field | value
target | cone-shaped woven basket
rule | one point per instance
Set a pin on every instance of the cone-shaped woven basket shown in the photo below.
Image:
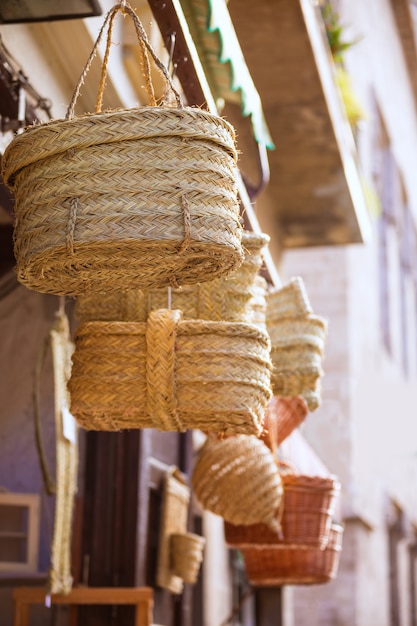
(268, 566)
(126, 198)
(230, 298)
(308, 508)
(237, 478)
(170, 374)
(187, 555)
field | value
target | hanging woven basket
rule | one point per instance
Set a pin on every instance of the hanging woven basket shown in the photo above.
(228, 298)
(289, 301)
(124, 199)
(186, 555)
(170, 374)
(284, 415)
(237, 478)
(308, 508)
(268, 566)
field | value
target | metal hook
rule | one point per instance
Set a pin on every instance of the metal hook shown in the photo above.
(171, 65)
(21, 109)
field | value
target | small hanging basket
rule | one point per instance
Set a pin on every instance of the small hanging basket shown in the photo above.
(268, 566)
(284, 415)
(289, 301)
(186, 555)
(308, 507)
(170, 374)
(237, 478)
(124, 199)
(228, 298)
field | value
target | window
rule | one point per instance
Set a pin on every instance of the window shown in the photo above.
(19, 532)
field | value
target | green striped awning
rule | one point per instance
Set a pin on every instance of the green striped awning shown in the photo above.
(220, 53)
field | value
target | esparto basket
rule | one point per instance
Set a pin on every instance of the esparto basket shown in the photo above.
(307, 512)
(297, 348)
(170, 374)
(289, 301)
(229, 298)
(237, 478)
(124, 199)
(186, 555)
(271, 566)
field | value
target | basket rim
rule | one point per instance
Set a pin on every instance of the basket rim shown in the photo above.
(58, 136)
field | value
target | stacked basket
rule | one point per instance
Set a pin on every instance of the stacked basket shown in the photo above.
(114, 202)
(297, 343)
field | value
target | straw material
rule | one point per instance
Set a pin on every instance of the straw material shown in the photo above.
(237, 478)
(257, 305)
(308, 507)
(289, 301)
(60, 577)
(187, 555)
(231, 298)
(124, 199)
(174, 513)
(272, 566)
(297, 347)
(297, 342)
(170, 374)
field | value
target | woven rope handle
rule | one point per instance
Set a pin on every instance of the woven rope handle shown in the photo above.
(145, 47)
(161, 334)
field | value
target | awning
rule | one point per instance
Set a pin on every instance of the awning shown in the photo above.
(225, 67)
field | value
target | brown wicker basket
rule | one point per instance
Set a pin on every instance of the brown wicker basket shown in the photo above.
(231, 298)
(126, 198)
(170, 374)
(284, 415)
(308, 508)
(237, 478)
(272, 566)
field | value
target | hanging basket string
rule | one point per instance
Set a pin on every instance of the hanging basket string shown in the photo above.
(145, 47)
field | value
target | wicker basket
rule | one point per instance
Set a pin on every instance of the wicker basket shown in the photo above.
(272, 566)
(237, 478)
(186, 556)
(127, 198)
(170, 374)
(229, 298)
(284, 415)
(308, 508)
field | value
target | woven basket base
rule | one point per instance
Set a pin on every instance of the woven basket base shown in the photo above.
(124, 265)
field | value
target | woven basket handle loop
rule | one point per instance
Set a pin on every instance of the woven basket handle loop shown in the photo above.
(161, 334)
(146, 47)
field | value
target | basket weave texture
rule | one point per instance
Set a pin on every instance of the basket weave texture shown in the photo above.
(271, 566)
(171, 374)
(308, 508)
(229, 298)
(237, 478)
(126, 198)
(297, 343)
(284, 414)
(186, 555)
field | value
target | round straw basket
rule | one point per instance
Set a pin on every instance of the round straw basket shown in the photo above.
(127, 198)
(308, 508)
(186, 555)
(227, 298)
(270, 566)
(237, 478)
(297, 347)
(170, 374)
